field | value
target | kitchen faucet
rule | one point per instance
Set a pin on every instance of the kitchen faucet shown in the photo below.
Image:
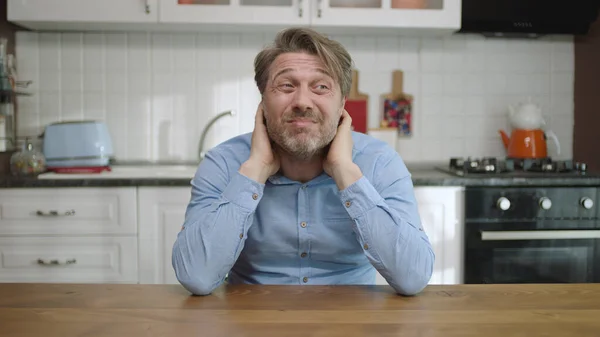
(201, 152)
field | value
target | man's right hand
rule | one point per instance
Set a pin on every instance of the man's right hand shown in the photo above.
(263, 161)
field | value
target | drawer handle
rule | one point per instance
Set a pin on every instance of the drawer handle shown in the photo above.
(55, 213)
(55, 262)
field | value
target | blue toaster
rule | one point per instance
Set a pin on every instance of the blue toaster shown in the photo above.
(80, 144)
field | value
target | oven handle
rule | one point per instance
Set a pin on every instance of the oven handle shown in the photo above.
(539, 235)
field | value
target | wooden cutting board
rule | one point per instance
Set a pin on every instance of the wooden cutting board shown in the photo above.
(357, 106)
(397, 107)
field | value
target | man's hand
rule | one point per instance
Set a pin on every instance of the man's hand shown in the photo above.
(263, 161)
(339, 164)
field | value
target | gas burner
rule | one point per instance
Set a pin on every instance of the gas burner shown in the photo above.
(544, 165)
(513, 166)
(481, 165)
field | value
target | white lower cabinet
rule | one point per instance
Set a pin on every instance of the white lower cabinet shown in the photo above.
(69, 259)
(126, 235)
(68, 211)
(441, 211)
(161, 214)
(70, 234)
(162, 211)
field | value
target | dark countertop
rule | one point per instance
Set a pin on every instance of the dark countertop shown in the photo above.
(430, 176)
(422, 175)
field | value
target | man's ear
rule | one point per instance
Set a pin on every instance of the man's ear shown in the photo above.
(343, 105)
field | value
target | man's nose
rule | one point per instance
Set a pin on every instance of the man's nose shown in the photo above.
(302, 99)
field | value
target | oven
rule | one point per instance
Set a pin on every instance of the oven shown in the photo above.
(532, 235)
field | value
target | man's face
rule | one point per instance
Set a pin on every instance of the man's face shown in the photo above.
(302, 104)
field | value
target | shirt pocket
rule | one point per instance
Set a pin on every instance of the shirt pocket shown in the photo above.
(335, 212)
(337, 223)
(334, 239)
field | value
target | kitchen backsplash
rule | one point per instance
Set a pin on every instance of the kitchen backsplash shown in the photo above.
(156, 91)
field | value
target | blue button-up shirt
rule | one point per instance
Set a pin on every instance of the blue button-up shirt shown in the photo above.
(287, 232)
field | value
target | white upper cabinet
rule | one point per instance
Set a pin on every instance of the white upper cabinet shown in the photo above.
(81, 14)
(395, 16)
(434, 15)
(240, 12)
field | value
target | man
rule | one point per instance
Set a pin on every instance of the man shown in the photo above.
(302, 199)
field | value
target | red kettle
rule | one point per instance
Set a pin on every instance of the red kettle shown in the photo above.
(527, 139)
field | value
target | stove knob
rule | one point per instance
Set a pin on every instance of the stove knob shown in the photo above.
(586, 202)
(545, 203)
(503, 203)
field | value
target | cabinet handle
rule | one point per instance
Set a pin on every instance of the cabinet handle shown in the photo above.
(147, 6)
(55, 262)
(55, 213)
(300, 8)
(539, 235)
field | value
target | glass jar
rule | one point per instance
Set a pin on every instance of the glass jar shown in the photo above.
(27, 162)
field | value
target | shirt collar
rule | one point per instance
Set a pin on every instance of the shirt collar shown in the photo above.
(279, 179)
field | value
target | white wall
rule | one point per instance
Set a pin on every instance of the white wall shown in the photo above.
(156, 91)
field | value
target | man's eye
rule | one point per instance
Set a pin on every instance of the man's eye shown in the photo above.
(287, 85)
(322, 87)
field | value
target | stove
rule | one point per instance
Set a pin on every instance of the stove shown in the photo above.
(513, 167)
(538, 233)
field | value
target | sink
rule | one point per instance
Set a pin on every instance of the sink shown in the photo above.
(132, 171)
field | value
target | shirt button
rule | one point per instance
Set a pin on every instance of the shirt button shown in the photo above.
(241, 235)
(366, 246)
(303, 187)
(303, 224)
(303, 255)
(305, 279)
(348, 203)
(254, 196)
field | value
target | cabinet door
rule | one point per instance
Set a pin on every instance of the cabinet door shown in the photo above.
(442, 15)
(68, 211)
(161, 213)
(84, 259)
(256, 12)
(441, 211)
(115, 11)
(431, 210)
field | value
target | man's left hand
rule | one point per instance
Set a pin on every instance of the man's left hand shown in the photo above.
(339, 164)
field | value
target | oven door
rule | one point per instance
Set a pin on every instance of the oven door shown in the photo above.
(533, 252)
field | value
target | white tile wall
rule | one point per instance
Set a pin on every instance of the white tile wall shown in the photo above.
(156, 91)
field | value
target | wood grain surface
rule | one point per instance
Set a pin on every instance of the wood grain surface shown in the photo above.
(53, 310)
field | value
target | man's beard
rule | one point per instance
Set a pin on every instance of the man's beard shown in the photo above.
(303, 143)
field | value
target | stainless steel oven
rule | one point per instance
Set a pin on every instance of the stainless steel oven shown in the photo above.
(532, 235)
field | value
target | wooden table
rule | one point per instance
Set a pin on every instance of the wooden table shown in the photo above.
(55, 310)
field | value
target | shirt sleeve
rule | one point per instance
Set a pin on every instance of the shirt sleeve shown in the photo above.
(216, 223)
(388, 226)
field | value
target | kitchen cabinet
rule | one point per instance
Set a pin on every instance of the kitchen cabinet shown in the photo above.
(408, 15)
(69, 259)
(239, 12)
(72, 234)
(335, 16)
(162, 211)
(126, 234)
(68, 211)
(327, 15)
(82, 14)
(441, 211)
